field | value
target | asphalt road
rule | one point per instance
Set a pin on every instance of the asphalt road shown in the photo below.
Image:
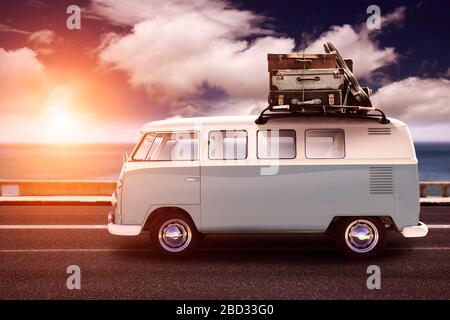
(33, 262)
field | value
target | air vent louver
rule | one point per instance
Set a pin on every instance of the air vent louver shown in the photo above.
(381, 180)
(379, 131)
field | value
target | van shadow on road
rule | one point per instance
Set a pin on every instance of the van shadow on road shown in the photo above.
(272, 249)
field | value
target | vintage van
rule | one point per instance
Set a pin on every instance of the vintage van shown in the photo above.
(355, 179)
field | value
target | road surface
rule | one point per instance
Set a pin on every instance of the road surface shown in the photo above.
(38, 243)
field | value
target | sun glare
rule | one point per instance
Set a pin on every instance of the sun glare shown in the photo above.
(61, 124)
(61, 121)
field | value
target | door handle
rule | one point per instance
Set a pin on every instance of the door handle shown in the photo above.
(191, 179)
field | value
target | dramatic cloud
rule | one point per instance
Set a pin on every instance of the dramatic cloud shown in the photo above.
(415, 99)
(177, 50)
(358, 43)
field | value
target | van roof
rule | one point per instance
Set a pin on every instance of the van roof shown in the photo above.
(249, 121)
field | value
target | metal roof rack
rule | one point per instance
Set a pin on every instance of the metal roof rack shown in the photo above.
(286, 111)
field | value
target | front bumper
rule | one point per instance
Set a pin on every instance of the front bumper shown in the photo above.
(418, 231)
(122, 229)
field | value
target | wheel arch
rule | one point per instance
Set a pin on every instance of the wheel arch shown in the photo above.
(167, 210)
(387, 221)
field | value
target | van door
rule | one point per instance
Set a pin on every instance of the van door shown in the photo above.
(165, 173)
(241, 193)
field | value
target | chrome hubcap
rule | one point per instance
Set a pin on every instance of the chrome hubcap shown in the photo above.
(361, 236)
(175, 235)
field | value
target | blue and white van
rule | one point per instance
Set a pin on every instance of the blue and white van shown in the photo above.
(355, 179)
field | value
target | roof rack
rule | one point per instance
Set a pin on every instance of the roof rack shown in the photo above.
(286, 111)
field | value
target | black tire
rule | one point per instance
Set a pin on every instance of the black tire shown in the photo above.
(370, 228)
(184, 234)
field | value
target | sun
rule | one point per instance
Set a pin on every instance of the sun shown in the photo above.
(63, 121)
(61, 124)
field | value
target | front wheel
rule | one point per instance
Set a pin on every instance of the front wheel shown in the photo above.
(362, 237)
(173, 235)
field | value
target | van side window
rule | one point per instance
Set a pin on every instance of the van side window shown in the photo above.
(227, 145)
(325, 144)
(171, 146)
(144, 147)
(276, 144)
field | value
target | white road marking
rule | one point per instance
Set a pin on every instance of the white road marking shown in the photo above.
(438, 226)
(53, 226)
(205, 250)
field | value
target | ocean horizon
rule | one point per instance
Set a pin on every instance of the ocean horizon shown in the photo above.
(102, 161)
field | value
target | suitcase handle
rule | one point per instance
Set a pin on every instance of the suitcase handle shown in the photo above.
(304, 78)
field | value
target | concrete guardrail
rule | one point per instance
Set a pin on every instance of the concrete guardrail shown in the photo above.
(11, 188)
(426, 185)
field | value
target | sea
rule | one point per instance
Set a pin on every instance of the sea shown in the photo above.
(103, 161)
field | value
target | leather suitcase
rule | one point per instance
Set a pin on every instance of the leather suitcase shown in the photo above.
(308, 79)
(301, 61)
(309, 98)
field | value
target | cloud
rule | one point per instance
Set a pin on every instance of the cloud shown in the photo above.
(23, 79)
(130, 13)
(43, 36)
(415, 99)
(37, 4)
(359, 44)
(40, 40)
(7, 28)
(447, 74)
(175, 49)
(395, 17)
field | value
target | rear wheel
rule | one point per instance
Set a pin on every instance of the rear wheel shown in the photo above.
(362, 237)
(173, 234)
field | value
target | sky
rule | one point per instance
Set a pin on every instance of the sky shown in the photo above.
(134, 61)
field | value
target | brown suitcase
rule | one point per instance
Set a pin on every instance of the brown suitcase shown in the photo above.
(311, 97)
(308, 79)
(301, 61)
